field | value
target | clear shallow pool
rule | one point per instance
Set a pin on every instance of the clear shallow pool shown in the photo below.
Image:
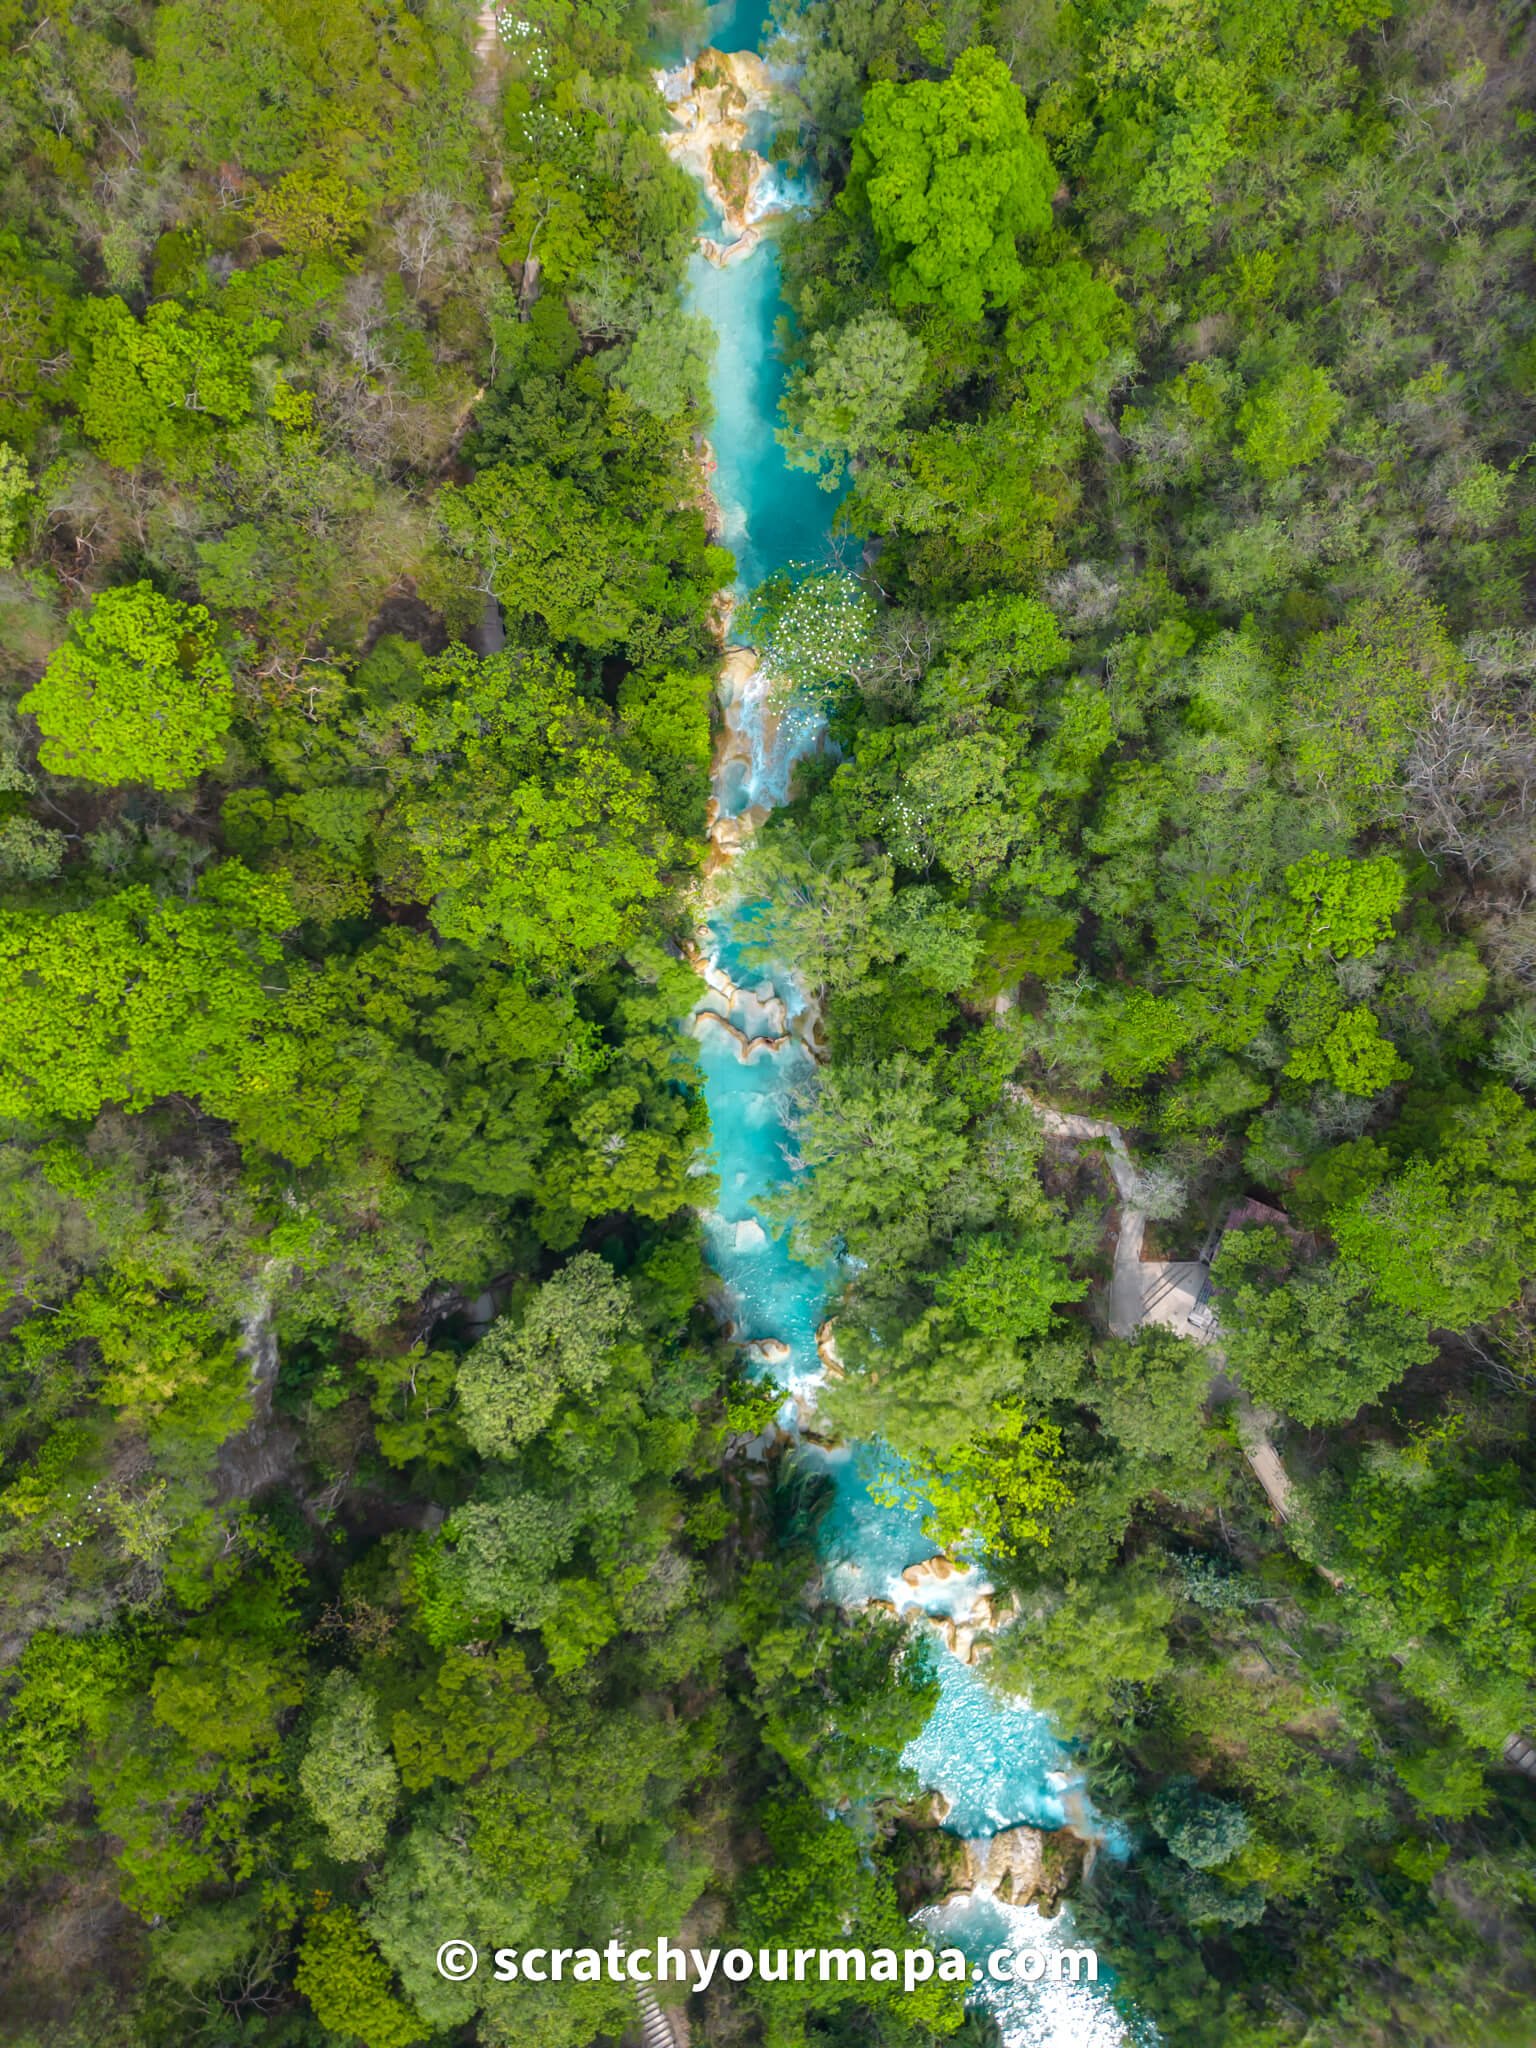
(998, 1764)
(771, 515)
(730, 25)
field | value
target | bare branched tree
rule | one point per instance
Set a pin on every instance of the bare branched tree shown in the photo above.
(365, 327)
(902, 648)
(1470, 784)
(431, 226)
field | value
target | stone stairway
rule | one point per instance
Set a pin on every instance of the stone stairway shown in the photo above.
(656, 2029)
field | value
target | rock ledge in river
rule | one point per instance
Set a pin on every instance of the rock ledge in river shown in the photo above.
(1024, 1866)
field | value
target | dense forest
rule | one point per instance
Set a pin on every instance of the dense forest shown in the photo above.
(387, 1551)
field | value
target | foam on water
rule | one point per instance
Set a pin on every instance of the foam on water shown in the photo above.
(1052, 2013)
(997, 1762)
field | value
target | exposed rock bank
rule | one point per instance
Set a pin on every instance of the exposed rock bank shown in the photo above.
(711, 100)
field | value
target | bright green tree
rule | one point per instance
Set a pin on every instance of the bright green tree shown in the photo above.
(953, 177)
(1287, 421)
(15, 490)
(133, 998)
(1091, 1646)
(164, 387)
(1450, 1235)
(512, 1381)
(1007, 1292)
(879, 1139)
(350, 1986)
(1064, 324)
(596, 569)
(478, 1713)
(138, 693)
(996, 1491)
(529, 829)
(1312, 1342)
(1360, 692)
(666, 367)
(819, 1888)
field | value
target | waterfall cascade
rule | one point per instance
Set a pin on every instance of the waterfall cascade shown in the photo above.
(998, 1772)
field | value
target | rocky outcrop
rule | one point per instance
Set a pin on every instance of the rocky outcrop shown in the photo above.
(710, 100)
(826, 1351)
(931, 1568)
(1023, 1866)
(740, 1001)
(722, 253)
(747, 1047)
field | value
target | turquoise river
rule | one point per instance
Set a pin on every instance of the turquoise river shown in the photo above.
(998, 1764)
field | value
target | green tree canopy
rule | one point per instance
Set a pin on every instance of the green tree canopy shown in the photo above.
(1312, 1342)
(134, 998)
(138, 693)
(1359, 693)
(512, 1381)
(347, 1773)
(953, 176)
(1065, 322)
(529, 828)
(163, 386)
(1287, 421)
(851, 395)
(1450, 1235)
(1201, 1830)
(1080, 1653)
(591, 566)
(350, 1985)
(879, 1140)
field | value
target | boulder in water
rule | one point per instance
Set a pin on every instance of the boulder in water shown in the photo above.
(931, 1568)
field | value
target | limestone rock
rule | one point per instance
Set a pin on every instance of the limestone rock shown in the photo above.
(931, 1569)
(931, 1811)
(1024, 1866)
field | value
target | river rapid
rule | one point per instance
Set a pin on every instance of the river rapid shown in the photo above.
(997, 1764)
